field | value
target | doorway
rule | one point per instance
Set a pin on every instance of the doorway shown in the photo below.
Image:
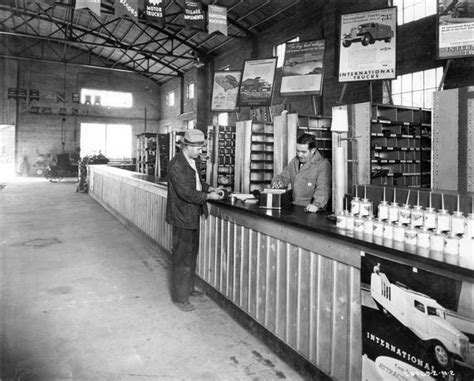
(7, 152)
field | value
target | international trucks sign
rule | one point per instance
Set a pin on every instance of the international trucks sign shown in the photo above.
(367, 47)
(416, 324)
(455, 29)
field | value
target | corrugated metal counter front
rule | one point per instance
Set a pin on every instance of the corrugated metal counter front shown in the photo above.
(294, 273)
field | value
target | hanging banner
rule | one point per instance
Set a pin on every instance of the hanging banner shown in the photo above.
(217, 19)
(303, 68)
(127, 8)
(154, 11)
(93, 5)
(193, 14)
(367, 49)
(455, 29)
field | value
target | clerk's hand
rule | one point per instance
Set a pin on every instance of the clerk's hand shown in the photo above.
(215, 195)
(311, 208)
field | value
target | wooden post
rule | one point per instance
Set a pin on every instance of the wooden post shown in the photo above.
(445, 72)
(343, 92)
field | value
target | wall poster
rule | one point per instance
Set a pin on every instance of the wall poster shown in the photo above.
(416, 324)
(302, 71)
(455, 29)
(225, 88)
(367, 49)
(256, 87)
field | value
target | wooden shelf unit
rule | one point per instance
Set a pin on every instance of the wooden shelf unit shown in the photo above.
(146, 153)
(221, 156)
(392, 145)
(255, 141)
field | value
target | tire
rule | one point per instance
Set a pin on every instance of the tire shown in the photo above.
(366, 40)
(346, 43)
(441, 355)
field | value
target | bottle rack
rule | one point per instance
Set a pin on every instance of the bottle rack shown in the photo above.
(146, 153)
(393, 144)
(221, 154)
(256, 142)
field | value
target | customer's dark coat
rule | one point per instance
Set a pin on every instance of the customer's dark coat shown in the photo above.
(185, 204)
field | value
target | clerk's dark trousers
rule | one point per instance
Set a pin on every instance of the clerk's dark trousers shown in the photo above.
(185, 251)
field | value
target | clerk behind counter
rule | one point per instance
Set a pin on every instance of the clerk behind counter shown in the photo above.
(308, 174)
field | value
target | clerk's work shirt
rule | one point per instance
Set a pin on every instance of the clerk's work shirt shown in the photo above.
(311, 183)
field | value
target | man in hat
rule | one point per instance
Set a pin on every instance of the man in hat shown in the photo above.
(187, 196)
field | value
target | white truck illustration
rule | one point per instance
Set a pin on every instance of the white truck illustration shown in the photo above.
(423, 316)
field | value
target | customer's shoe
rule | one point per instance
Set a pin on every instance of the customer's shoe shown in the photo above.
(196, 293)
(184, 306)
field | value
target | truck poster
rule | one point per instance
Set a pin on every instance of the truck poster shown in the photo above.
(225, 88)
(256, 87)
(455, 29)
(303, 68)
(367, 48)
(416, 324)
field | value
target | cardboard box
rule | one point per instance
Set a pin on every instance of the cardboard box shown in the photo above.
(275, 198)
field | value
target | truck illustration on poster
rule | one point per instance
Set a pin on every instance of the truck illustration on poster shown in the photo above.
(256, 87)
(416, 325)
(367, 49)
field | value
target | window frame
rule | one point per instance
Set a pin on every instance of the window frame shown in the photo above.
(170, 98)
(282, 46)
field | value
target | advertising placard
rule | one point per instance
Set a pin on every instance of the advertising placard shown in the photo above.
(367, 49)
(302, 71)
(225, 89)
(416, 324)
(256, 87)
(455, 29)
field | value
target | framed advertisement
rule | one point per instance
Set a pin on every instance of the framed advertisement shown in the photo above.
(416, 324)
(455, 29)
(225, 89)
(302, 71)
(256, 86)
(367, 48)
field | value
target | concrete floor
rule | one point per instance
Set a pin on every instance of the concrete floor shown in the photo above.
(83, 298)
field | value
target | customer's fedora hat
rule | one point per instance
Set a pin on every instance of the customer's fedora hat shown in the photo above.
(194, 138)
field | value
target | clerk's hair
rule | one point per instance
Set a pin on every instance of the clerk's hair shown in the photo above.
(307, 139)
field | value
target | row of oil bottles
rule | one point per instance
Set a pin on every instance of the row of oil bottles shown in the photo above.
(439, 234)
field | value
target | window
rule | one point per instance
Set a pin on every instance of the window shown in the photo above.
(106, 98)
(190, 90)
(419, 306)
(279, 51)
(114, 141)
(170, 99)
(416, 89)
(223, 119)
(411, 10)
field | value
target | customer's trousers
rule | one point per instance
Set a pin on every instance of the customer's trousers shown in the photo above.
(185, 251)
